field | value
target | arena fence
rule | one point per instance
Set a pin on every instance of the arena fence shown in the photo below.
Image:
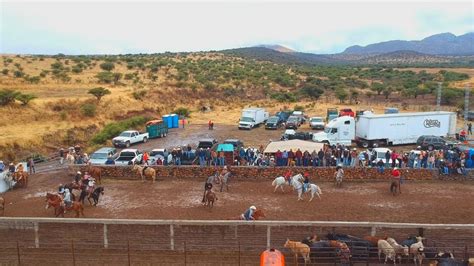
(28, 241)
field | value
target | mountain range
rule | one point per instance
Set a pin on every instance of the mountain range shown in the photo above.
(445, 49)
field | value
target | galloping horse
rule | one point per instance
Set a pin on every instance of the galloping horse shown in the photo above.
(54, 200)
(296, 182)
(210, 198)
(2, 206)
(95, 195)
(149, 172)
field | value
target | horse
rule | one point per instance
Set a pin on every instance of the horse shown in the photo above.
(95, 172)
(257, 215)
(149, 172)
(279, 182)
(296, 182)
(395, 187)
(54, 200)
(298, 248)
(8, 179)
(95, 195)
(2, 205)
(210, 198)
(21, 177)
(225, 181)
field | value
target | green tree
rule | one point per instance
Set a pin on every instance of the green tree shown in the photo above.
(387, 91)
(107, 66)
(7, 96)
(341, 94)
(105, 77)
(99, 92)
(25, 98)
(377, 87)
(182, 111)
(311, 91)
(88, 109)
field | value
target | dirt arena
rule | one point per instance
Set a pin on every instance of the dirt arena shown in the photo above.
(420, 202)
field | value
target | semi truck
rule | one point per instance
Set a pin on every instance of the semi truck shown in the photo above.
(370, 130)
(252, 117)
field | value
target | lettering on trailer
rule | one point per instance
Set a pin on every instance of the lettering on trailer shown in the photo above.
(432, 123)
(397, 124)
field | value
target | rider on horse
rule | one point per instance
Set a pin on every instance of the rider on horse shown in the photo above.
(77, 177)
(90, 185)
(11, 168)
(67, 198)
(2, 166)
(288, 176)
(305, 182)
(208, 186)
(248, 214)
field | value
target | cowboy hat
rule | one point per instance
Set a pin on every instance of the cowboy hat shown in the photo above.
(66, 190)
(253, 207)
(11, 163)
(395, 168)
(79, 172)
(61, 191)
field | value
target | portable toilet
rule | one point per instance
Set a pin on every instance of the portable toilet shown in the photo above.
(167, 121)
(175, 120)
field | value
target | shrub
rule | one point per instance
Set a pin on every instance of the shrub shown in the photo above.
(284, 97)
(105, 77)
(5, 71)
(7, 96)
(107, 66)
(129, 76)
(18, 74)
(182, 111)
(113, 129)
(298, 108)
(25, 98)
(99, 92)
(139, 95)
(88, 109)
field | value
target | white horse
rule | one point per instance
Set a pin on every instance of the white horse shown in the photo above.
(297, 183)
(279, 182)
(6, 181)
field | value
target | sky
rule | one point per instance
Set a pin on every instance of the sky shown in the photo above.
(118, 27)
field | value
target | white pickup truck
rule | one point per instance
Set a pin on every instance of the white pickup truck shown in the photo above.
(129, 137)
(129, 157)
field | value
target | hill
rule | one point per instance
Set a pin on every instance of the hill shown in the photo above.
(277, 47)
(439, 44)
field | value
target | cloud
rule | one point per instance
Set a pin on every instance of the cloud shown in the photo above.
(148, 27)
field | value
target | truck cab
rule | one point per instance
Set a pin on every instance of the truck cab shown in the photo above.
(331, 113)
(339, 130)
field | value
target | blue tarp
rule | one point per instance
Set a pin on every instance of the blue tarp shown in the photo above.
(225, 147)
(469, 159)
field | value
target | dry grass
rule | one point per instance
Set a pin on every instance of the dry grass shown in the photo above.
(33, 125)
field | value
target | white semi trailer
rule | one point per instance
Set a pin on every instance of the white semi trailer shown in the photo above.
(387, 129)
(252, 117)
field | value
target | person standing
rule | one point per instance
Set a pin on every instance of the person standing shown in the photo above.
(31, 166)
(469, 128)
(395, 181)
(183, 121)
(61, 156)
(2, 166)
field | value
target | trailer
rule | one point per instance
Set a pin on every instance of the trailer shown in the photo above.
(387, 129)
(252, 117)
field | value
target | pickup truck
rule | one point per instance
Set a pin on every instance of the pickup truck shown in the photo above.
(129, 157)
(207, 143)
(126, 138)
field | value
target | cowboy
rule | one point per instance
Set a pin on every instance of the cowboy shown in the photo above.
(208, 186)
(61, 156)
(110, 160)
(67, 198)
(248, 214)
(396, 179)
(339, 174)
(2, 166)
(31, 166)
(11, 168)
(288, 176)
(77, 177)
(305, 182)
(90, 185)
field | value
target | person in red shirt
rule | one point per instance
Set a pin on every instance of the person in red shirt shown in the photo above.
(462, 135)
(288, 177)
(395, 181)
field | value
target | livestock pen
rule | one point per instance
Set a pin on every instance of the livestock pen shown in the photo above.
(39, 241)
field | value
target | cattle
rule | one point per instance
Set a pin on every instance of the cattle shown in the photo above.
(387, 249)
(399, 249)
(417, 250)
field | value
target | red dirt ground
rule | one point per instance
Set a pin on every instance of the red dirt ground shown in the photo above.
(421, 202)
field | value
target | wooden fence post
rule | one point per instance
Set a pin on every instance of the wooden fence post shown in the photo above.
(185, 253)
(36, 235)
(128, 253)
(73, 253)
(18, 252)
(171, 237)
(239, 252)
(268, 236)
(106, 240)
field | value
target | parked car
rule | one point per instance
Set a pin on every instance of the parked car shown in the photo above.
(301, 115)
(470, 115)
(236, 142)
(293, 122)
(156, 154)
(391, 110)
(129, 137)
(292, 134)
(101, 155)
(207, 143)
(434, 143)
(316, 122)
(274, 122)
(346, 112)
(379, 154)
(128, 157)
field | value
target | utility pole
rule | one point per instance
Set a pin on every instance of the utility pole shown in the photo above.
(438, 99)
(466, 104)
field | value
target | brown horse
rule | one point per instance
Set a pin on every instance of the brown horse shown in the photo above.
(210, 198)
(95, 172)
(2, 205)
(257, 215)
(149, 172)
(21, 177)
(55, 201)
